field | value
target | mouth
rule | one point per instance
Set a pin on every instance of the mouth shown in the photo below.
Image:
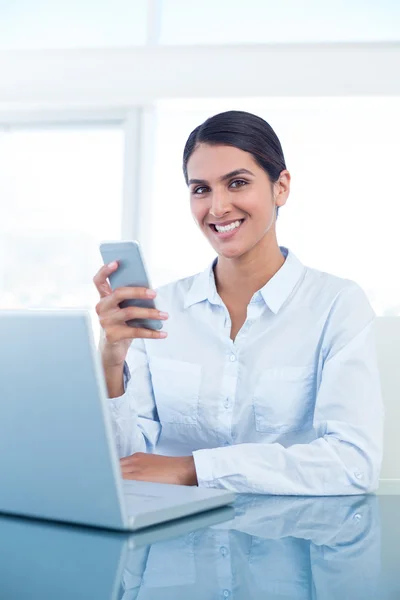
(226, 230)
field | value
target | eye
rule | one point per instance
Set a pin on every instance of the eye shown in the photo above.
(201, 189)
(237, 183)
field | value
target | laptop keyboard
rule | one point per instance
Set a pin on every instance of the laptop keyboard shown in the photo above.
(139, 495)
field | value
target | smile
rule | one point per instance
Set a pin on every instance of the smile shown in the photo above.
(224, 228)
(224, 231)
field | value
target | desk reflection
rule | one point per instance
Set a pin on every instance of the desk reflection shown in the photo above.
(292, 548)
(264, 547)
(48, 561)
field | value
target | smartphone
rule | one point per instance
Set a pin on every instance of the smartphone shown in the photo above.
(131, 272)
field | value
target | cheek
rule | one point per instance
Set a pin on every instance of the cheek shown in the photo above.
(198, 211)
(261, 205)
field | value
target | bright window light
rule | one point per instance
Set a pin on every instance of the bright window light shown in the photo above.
(60, 194)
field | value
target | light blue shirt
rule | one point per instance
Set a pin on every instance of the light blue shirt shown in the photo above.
(291, 406)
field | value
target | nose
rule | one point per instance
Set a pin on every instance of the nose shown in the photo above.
(219, 204)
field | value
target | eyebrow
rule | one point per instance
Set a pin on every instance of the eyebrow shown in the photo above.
(224, 177)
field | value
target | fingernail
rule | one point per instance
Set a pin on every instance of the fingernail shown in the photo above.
(163, 315)
(163, 334)
(112, 264)
(151, 293)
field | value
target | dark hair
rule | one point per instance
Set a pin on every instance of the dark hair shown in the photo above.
(244, 131)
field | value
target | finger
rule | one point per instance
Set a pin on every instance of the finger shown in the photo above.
(132, 458)
(124, 332)
(137, 312)
(130, 469)
(126, 293)
(149, 334)
(100, 279)
(134, 476)
(134, 293)
(130, 464)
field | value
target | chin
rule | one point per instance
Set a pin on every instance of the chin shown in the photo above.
(231, 252)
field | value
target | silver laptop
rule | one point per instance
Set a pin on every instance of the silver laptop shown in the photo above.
(58, 458)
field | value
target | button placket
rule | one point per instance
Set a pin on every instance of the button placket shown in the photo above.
(226, 398)
(228, 402)
(224, 567)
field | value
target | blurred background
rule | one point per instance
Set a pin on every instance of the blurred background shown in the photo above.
(98, 98)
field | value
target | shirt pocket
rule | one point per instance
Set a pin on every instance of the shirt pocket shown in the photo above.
(283, 400)
(280, 567)
(170, 564)
(176, 386)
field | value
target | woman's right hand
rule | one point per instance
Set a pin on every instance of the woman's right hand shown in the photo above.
(118, 335)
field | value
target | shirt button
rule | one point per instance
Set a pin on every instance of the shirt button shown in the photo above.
(357, 517)
(223, 551)
(226, 593)
(232, 358)
(226, 403)
(359, 475)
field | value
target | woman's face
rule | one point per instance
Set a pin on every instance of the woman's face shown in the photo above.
(232, 198)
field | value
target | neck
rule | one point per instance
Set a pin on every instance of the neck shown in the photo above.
(242, 277)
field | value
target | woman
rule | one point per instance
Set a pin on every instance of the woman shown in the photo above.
(267, 380)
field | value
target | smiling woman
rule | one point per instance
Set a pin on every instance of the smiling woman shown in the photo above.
(267, 380)
(224, 205)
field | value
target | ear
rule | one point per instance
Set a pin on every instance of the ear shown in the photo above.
(282, 188)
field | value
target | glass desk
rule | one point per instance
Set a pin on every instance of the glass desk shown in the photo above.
(263, 547)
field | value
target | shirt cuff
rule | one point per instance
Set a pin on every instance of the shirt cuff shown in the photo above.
(222, 468)
(124, 423)
(203, 462)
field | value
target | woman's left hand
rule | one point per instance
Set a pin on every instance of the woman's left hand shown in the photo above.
(161, 469)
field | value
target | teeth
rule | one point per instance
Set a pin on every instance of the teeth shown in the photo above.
(228, 227)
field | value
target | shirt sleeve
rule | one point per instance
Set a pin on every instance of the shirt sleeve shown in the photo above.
(345, 455)
(134, 414)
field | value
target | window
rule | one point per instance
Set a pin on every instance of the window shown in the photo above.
(343, 212)
(61, 193)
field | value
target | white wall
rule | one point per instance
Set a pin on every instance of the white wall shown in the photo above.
(117, 78)
(388, 345)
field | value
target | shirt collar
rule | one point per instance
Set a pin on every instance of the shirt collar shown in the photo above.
(274, 293)
(203, 287)
(278, 289)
